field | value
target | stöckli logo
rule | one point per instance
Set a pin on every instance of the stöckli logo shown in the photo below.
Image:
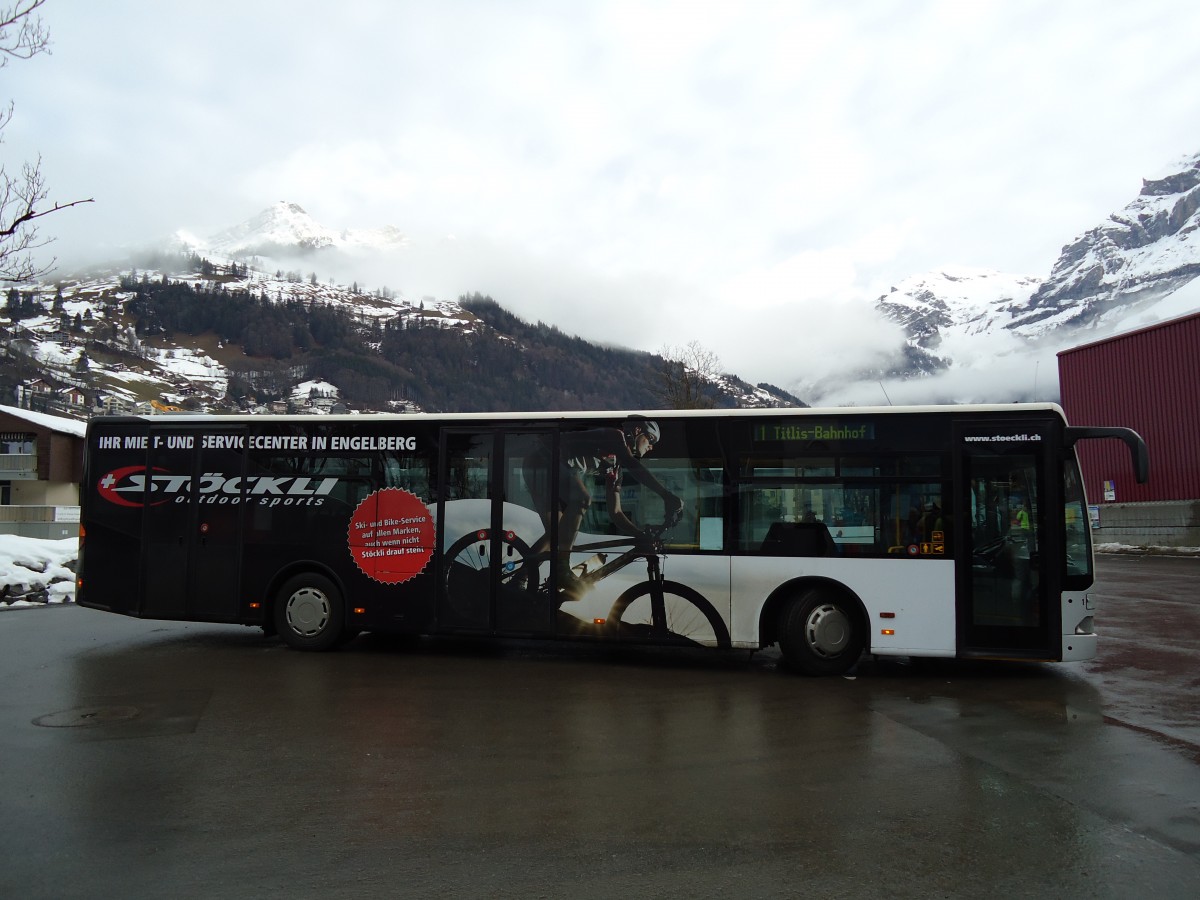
(138, 486)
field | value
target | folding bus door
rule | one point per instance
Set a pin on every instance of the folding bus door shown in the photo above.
(1007, 603)
(494, 485)
(193, 524)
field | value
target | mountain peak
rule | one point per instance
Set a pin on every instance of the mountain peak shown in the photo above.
(1181, 178)
(970, 299)
(286, 229)
(1139, 255)
(1140, 265)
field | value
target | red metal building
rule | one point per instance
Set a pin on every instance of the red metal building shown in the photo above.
(1147, 380)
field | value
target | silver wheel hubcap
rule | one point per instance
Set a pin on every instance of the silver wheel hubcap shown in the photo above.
(827, 630)
(308, 612)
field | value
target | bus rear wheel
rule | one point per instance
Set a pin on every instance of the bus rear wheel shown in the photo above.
(821, 633)
(309, 614)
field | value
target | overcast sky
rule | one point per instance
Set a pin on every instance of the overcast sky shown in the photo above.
(750, 175)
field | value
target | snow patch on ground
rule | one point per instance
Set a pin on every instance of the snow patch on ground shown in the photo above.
(34, 572)
(1147, 551)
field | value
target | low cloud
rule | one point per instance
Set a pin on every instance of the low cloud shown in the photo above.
(995, 368)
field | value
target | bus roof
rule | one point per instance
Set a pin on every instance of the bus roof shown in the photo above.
(970, 409)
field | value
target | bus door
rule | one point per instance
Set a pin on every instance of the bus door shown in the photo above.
(493, 485)
(192, 536)
(1007, 603)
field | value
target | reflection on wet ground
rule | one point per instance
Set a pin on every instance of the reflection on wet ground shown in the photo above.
(1148, 668)
(225, 764)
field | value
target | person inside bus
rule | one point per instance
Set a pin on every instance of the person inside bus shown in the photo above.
(582, 456)
(932, 522)
(1021, 538)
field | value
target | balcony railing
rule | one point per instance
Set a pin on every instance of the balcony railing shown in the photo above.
(18, 465)
(39, 513)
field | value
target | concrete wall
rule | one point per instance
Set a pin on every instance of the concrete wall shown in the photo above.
(1172, 523)
(53, 531)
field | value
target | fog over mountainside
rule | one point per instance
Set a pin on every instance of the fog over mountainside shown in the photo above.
(270, 311)
(979, 335)
(243, 321)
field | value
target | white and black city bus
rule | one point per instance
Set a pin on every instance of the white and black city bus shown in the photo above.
(930, 532)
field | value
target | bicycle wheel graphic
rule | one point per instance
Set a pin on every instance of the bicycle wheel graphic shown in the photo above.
(469, 563)
(689, 618)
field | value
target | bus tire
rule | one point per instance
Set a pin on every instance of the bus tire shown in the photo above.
(821, 633)
(309, 614)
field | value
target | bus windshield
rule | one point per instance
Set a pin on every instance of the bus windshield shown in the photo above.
(1078, 557)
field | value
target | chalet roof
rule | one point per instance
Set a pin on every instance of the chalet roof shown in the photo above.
(60, 424)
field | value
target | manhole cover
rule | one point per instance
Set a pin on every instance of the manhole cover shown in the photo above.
(87, 717)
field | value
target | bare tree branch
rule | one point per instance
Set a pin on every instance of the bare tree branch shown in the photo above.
(31, 37)
(688, 376)
(23, 36)
(27, 198)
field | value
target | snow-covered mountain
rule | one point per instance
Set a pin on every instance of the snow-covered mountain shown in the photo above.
(1140, 255)
(973, 334)
(944, 311)
(286, 230)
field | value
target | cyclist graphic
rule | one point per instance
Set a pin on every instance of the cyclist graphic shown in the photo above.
(585, 454)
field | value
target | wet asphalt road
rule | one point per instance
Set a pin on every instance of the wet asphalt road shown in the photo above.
(148, 759)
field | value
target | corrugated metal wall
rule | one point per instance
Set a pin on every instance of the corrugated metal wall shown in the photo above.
(1147, 380)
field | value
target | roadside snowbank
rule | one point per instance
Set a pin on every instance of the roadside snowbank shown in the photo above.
(1134, 550)
(34, 572)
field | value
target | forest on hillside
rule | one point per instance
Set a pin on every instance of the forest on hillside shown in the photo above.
(508, 365)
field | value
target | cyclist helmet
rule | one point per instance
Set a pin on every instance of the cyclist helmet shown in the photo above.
(635, 425)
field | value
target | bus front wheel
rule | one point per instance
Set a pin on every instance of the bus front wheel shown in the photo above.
(309, 614)
(821, 633)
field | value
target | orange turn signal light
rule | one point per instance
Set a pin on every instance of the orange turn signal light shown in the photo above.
(888, 631)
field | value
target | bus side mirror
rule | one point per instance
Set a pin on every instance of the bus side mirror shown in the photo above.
(1133, 440)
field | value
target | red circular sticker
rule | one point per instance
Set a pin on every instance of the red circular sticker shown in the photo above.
(391, 535)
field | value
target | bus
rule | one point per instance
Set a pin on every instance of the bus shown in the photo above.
(957, 531)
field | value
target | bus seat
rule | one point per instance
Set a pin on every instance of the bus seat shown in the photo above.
(799, 539)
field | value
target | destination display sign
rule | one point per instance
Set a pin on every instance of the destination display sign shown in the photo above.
(815, 430)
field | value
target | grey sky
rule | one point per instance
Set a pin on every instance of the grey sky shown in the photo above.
(750, 175)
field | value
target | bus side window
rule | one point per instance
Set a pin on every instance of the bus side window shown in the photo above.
(799, 539)
(790, 519)
(408, 473)
(699, 484)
